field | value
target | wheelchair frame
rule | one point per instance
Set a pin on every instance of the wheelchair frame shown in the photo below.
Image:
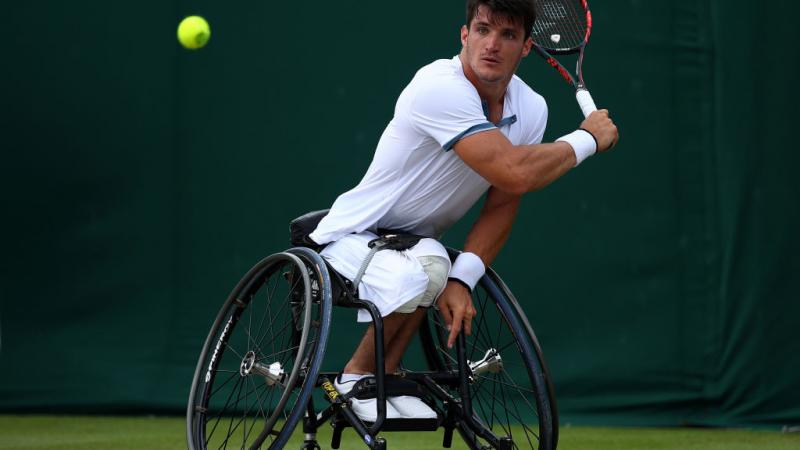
(312, 288)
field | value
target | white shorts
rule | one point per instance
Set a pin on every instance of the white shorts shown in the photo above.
(393, 278)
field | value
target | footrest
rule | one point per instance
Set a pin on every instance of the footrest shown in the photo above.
(394, 385)
(400, 424)
(411, 424)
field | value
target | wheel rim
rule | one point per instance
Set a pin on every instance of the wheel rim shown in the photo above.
(255, 358)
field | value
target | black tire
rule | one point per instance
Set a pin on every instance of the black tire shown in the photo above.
(518, 401)
(262, 356)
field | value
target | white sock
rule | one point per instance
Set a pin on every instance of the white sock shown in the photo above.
(353, 376)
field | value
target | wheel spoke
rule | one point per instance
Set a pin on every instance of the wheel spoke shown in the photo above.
(259, 405)
(280, 332)
(505, 428)
(523, 396)
(273, 356)
(505, 409)
(479, 327)
(236, 388)
(517, 416)
(283, 305)
(476, 396)
(478, 336)
(236, 406)
(512, 385)
(267, 311)
(242, 397)
(224, 383)
(528, 431)
(229, 347)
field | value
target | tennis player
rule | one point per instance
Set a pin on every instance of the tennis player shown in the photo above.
(462, 128)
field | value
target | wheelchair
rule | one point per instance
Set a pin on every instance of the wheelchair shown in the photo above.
(262, 361)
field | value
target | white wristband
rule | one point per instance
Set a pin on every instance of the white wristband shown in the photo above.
(583, 144)
(468, 267)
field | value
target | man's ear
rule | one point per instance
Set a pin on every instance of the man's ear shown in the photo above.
(464, 33)
(526, 48)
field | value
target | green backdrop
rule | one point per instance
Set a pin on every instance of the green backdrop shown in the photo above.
(140, 180)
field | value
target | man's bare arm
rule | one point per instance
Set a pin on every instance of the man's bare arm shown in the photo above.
(488, 234)
(518, 169)
(515, 169)
(493, 226)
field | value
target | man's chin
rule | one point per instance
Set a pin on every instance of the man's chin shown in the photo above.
(490, 78)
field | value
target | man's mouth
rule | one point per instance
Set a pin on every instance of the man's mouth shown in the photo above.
(490, 60)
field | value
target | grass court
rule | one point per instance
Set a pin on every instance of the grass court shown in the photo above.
(159, 433)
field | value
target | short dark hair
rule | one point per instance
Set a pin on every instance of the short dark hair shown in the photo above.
(515, 10)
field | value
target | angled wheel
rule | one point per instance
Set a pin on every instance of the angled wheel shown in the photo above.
(509, 387)
(262, 356)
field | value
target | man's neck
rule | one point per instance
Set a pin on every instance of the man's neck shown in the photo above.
(491, 93)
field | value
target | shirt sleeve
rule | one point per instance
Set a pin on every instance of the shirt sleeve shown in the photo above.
(448, 110)
(536, 109)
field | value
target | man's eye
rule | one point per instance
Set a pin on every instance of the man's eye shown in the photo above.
(483, 30)
(510, 35)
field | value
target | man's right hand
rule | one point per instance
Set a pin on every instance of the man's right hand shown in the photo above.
(601, 126)
(456, 307)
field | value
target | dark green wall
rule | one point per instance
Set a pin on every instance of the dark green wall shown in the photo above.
(140, 180)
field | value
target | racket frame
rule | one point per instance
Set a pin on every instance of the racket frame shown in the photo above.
(582, 95)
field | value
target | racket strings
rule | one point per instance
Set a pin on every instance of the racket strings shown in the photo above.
(560, 24)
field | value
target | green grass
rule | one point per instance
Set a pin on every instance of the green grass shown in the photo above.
(123, 433)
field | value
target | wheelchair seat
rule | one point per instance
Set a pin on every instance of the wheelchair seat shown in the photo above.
(344, 290)
(301, 227)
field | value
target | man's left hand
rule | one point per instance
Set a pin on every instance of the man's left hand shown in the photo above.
(456, 307)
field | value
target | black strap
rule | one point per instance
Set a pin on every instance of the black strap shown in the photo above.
(396, 241)
(366, 388)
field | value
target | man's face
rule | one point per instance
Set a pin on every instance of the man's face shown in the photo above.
(494, 46)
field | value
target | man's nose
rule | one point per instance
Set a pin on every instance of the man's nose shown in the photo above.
(493, 42)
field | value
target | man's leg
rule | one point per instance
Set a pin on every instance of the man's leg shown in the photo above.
(402, 337)
(363, 363)
(398, 328)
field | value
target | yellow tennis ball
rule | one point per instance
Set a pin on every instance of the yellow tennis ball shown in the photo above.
(193, 32)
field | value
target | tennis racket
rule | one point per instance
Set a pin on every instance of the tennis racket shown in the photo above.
(563, 27)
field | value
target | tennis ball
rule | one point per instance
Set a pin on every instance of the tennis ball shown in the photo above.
(193, 32)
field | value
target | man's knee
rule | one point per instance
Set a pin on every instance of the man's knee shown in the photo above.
(436, 268)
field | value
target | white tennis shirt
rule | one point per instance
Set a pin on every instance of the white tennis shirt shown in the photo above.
(416, 183)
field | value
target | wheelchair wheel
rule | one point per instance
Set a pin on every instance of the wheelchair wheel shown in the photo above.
(262, 356)
(508, 382)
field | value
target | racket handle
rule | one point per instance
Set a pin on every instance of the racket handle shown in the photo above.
(585, 101)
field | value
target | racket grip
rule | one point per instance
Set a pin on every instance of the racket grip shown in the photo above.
(585, 101)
